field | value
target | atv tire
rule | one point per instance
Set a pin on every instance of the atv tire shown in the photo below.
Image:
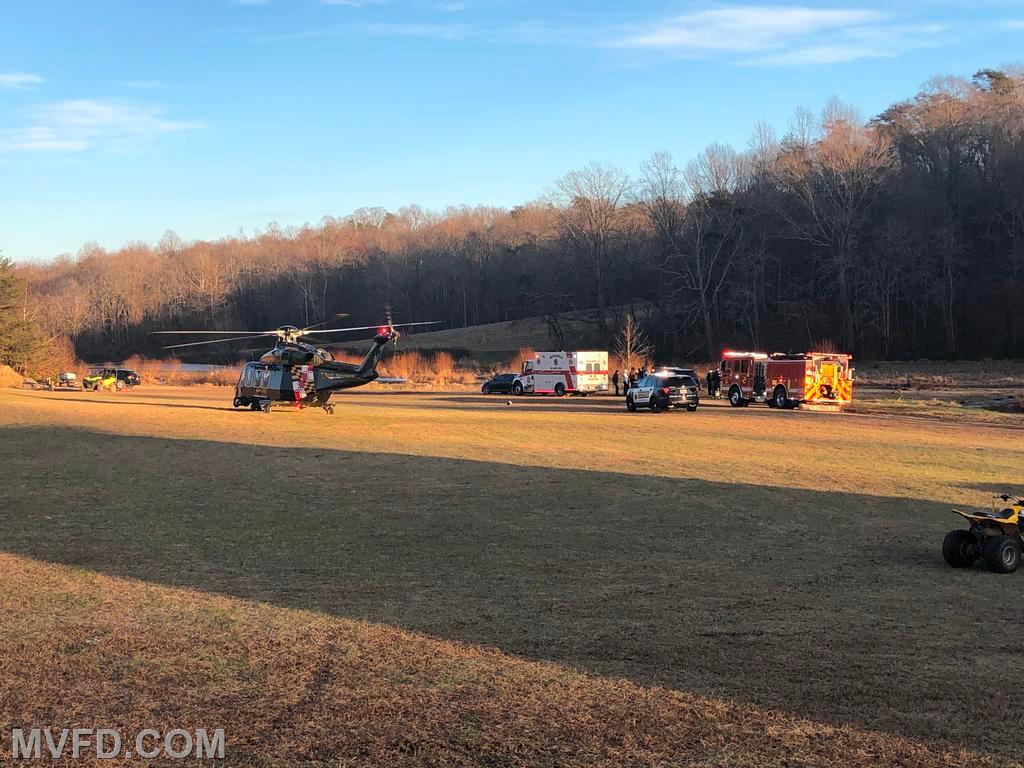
(1002, 554)
(960, 549)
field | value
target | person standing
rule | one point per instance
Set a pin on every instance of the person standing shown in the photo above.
(615, 381)
(716, 382)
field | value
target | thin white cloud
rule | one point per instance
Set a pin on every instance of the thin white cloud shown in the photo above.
(872, 42)
(12, 80)
(1014, 24)
(38, 139)
(783, 35)
(744, 28)
(822, 54)
(771, 35)
(122, 117)
(79, 124)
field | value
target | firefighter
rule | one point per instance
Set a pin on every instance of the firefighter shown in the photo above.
(615, 381)
(714, 382)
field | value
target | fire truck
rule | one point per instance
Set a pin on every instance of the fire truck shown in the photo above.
(563, 373)
(786, 381)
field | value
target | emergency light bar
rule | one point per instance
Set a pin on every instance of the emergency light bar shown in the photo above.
(756, 355)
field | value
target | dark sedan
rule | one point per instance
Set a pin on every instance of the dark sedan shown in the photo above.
(499, 385)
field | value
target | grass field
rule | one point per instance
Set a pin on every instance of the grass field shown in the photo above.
(441, 579)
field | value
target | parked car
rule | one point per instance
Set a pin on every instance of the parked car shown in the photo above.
(499, 385)
(67, 379)
(110, 378)
(663, 390)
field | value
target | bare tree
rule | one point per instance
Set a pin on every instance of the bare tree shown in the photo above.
(697, 213)
(834, 183)
(591, 204)
(632, 345)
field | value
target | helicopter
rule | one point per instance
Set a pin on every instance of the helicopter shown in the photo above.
(299, 372)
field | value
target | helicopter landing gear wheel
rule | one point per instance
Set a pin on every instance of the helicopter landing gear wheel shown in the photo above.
(329, 409)
(236, 403)
(265, 406)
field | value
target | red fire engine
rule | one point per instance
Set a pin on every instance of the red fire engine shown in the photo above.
(785, 381)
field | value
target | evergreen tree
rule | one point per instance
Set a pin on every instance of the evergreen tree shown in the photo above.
(19, 338)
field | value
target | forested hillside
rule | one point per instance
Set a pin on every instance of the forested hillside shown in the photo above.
(901, 236)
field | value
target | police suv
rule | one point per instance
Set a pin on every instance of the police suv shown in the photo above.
(662, 390)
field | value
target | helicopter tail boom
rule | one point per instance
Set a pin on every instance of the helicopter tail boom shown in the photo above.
(368, 367)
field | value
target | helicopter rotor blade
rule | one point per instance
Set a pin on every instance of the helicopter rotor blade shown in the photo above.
(374, 327)
(344, 330)
(407, 325)
(320, 324)
(221, 333)
(217, 341)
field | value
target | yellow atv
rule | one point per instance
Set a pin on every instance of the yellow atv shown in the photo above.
(993, 536)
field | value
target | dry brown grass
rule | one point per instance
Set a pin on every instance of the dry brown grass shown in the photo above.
(444, 580)
(435, 369)
(298, 688)
(937, 374)
(171, 372)
(10, 378)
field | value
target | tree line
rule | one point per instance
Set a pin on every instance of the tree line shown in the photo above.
(897, 237)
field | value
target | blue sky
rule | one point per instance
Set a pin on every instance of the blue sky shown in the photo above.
(120, 119)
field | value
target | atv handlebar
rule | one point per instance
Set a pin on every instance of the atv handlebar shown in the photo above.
(1015, 499)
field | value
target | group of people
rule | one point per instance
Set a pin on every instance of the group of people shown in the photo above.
(628, 380)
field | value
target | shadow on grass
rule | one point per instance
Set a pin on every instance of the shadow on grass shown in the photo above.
(833, 606)
(128, 400)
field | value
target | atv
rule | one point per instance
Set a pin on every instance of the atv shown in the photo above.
(993, 536)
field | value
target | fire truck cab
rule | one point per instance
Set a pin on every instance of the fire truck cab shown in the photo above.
(563, 373)
(786, 381)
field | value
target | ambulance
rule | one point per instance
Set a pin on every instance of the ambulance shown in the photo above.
(563, 373)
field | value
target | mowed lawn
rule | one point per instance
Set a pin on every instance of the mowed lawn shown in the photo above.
(441, 579)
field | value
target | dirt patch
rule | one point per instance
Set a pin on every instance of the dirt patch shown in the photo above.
(9, 378)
